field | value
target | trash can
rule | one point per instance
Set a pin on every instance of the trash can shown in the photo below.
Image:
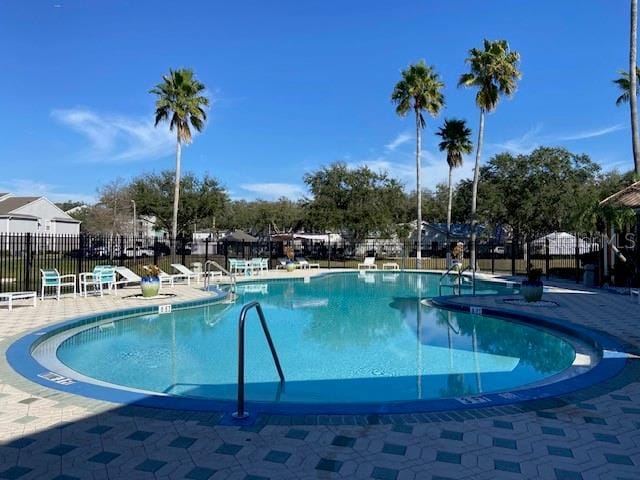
(589, 275)
(196, 267)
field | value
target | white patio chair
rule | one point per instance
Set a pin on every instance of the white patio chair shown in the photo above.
(51, 278)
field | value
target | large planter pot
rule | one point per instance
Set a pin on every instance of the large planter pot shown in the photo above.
(531, 291)
(291, 267)
(150, 286)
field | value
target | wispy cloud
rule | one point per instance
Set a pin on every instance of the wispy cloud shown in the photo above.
(592, 133)
(523, 144)
(117, 138)
(271, 191)
(533, 138)
(400, 139)
(55, 193)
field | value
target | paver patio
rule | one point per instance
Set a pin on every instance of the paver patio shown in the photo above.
(592, 434)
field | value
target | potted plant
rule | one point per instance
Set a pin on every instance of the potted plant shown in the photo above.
(290, 253)
(531, 288)
(150, 282)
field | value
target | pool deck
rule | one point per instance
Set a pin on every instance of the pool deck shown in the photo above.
(592, 434)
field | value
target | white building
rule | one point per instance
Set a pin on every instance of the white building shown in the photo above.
(34, 215)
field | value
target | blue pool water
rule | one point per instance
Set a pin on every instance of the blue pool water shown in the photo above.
(341, 338)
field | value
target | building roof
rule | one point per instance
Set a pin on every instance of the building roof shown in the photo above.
(239, 236)
(10, 204)
(627, 197)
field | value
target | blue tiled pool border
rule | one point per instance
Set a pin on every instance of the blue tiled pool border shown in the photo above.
(20, 359)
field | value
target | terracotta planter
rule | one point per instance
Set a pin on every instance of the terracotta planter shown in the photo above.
(531, 292)
(150, 286)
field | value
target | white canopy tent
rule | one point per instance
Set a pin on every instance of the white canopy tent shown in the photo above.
(561, 243)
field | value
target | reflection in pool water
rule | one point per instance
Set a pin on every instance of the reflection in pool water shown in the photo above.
(341, 338)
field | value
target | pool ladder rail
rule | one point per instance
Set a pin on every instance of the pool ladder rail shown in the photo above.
(459, 280)
(207, 278)
(241, 413)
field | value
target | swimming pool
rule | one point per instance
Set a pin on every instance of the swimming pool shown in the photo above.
(342, 339)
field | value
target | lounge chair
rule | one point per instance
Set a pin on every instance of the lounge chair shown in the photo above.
(171, 278)
(10, 297)
(368, 264)
(237, 266)
(304, 264)
(196, 275)
(127, 275)
(51, 278)
(102, 275)
(282, 263)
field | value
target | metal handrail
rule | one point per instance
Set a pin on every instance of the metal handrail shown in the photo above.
(231, 276)
(459, 272)
(241, 413)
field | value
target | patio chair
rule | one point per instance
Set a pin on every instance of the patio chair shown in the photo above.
(102, 275)
(51, 278)
(171, 278)
(237, 265)
(304, 264)
(368, 264)
(259, 264)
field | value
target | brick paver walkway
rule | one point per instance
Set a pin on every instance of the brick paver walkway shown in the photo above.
(46, 434)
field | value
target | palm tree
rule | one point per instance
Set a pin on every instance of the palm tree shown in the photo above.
(624, 86)
(633, 85)
(180, 100)
(456, 142)
(419, 90)
(494, 72)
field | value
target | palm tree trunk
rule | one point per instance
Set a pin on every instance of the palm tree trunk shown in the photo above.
(418, 192)
(474, 195)
(449, 206)
(176, 200)
(633, 85)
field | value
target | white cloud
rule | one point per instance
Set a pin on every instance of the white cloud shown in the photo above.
(523, 144)
(272, 191)
(400, 139)
(29, 188)
(592, 133)
(532, 139)
(117, 138)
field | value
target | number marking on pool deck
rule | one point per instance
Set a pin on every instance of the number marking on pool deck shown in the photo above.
(164, 308)
(473, 400)
(56, 378)
(475, 310)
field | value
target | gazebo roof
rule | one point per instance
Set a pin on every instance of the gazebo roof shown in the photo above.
(627, 197)
(239, 236)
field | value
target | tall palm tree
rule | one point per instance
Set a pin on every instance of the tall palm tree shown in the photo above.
(456, 141)
(624, 86)
(633, 85)
(494, 72)
(419, 90)
(180, 100)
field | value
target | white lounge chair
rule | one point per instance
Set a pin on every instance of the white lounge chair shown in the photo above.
(171, 279)
(10, 297)
(127, 275)
(282, 263)
(51, 278)
(304, 264)
(368, 264)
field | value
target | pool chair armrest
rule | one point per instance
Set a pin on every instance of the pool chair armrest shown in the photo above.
(70, 275)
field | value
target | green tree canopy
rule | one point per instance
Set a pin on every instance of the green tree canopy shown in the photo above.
(354, 201)
(543, 191)
(201, 199)
(262, 216)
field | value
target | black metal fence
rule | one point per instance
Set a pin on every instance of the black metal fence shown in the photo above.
(23, 255)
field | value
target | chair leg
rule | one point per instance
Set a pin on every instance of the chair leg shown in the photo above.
(58, 293)
(42, 293)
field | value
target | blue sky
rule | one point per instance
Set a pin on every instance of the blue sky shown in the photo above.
(295, 85)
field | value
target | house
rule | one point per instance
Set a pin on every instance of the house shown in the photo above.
(34, 215)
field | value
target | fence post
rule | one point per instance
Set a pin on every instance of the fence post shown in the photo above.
(184, 250)
(514, 246)
(155, 251)
(329, 251)
(493, 256)
(27, 263)
(546, 256)
(81, 250)
(577, 259)
(206, 249)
